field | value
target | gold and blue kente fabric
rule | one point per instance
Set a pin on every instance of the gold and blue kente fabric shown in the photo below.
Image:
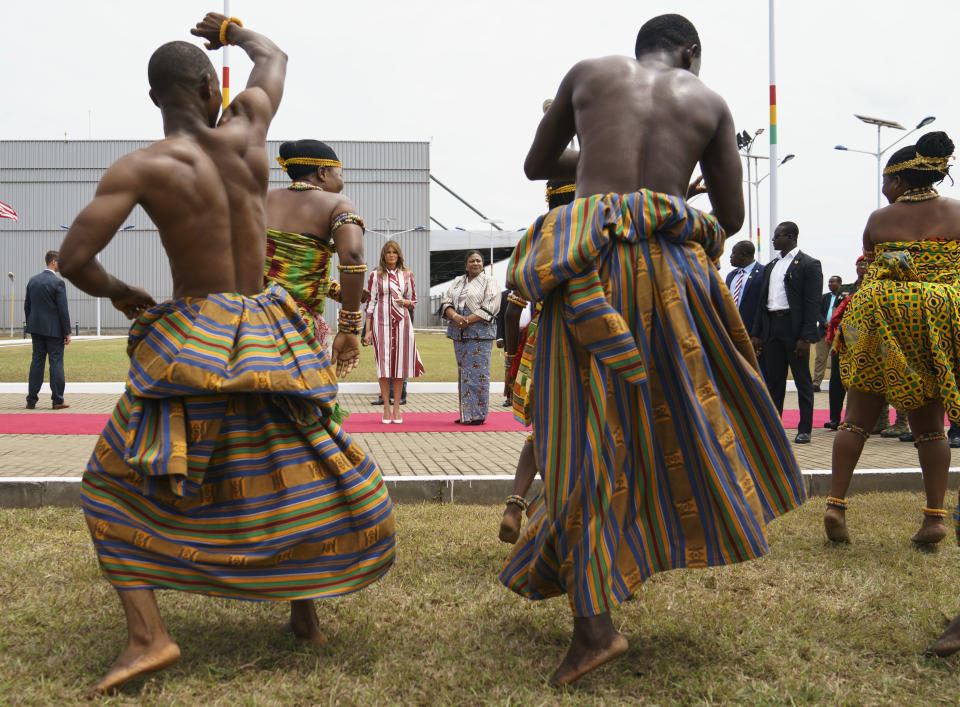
(222, 470)
(900, 334)
(657, 440)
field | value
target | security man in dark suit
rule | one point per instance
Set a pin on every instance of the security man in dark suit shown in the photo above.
(788, 323)
(745, 281)
(48, 323)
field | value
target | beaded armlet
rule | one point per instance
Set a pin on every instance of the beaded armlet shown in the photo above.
(517, 300)
(344, 219)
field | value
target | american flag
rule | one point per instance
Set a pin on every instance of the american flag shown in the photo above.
(8, 212)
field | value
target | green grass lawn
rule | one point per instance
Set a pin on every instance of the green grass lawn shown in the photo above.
(107, 361)
(809, 624)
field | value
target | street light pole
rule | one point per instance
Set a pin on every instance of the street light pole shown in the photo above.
(881, 123)
(493, 223)
(13, 292)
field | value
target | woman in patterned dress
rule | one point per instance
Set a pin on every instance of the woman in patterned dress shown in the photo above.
(900, 335)
(390, 329)
(470, 307)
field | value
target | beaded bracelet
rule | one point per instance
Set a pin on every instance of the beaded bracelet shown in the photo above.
(352, 269)
(349, 322)
(840, 503)
(935, 512)
(223, 29)
(518, 500)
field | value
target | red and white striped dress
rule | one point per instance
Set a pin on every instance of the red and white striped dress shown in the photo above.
(393, 342)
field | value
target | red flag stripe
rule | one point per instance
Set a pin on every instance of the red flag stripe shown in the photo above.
(7, 211)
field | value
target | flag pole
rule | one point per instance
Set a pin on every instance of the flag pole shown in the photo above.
(773, 127)
(226, 62)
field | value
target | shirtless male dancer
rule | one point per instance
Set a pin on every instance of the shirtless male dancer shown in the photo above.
(224, 361)
(640, 349)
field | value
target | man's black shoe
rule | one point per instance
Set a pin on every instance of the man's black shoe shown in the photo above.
(906, 437)
(802, 438)
(954, 440)
(378, 401)
(403, 400)
(506, 402)
(31, 406)
(816, 389)
(830, 425)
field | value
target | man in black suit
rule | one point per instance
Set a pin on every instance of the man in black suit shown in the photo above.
(828, 303)
(788, 322)
(48, 323)
(745, 281)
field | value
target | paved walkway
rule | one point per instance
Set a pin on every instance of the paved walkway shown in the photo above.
(397, 453)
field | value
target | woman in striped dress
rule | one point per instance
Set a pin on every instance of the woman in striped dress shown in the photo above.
(390, 328)
(470, 307)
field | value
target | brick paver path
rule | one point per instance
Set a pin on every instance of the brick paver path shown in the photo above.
(397, 453)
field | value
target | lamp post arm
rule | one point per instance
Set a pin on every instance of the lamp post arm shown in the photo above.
(902, 137)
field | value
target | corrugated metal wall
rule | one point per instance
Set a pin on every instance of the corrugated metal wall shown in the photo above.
(48, 182)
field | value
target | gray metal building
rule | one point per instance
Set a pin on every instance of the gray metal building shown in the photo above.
(48, 181)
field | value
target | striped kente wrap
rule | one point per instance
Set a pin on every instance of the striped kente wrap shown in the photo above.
(221, 470)
(300, 263)
(657, 440)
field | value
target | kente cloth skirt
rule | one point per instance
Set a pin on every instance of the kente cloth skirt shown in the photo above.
(473, 367)
(658, 443)
(900, 334)
(221, 470)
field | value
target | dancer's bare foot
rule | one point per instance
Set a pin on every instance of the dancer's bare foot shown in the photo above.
(595, 642)
(835, 524)
(510, 523)
(149, 646)
(932, 531)
(304, 623)
(136, 660)
(949, 641)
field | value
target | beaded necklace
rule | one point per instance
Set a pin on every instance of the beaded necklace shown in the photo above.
(918, 194)
(303, 186)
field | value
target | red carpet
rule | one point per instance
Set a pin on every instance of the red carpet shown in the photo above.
(64, 423)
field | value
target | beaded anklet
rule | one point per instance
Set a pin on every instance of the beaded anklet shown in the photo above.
(934, 512)
(928, 437)
(840, 503)
(850, 427)
(517, 500)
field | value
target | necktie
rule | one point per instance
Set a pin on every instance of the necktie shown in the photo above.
(738, 286)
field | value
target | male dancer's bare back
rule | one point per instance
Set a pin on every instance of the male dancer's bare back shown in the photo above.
(203, 186)
(641, 123)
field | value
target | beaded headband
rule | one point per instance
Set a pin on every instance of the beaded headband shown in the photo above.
(922, 163)
(313, 161)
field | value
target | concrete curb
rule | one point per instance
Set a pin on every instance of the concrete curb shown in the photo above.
(35, 492)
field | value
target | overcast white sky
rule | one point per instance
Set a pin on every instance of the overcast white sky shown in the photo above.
(470, 77)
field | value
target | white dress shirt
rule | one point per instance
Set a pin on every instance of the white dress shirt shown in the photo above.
(777, 293)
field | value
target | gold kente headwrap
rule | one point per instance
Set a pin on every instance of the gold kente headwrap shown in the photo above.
(315, 161)
(922, 163)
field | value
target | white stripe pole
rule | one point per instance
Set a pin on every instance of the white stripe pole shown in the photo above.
(226, 62)
(773, 126)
